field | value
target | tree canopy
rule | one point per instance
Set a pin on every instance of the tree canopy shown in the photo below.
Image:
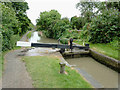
(52, 24)
(102, 25)
(14, 22)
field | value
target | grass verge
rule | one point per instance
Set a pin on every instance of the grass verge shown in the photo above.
(1, 65)
(2, 62)
(105, 49)
(44, 71)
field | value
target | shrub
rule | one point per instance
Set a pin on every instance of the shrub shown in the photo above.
(13, 40)
(64, 40)
(29, 35)
(103, 27)
(9, 39)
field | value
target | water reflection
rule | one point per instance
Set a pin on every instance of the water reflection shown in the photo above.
(47, 40)
(40, 51)
(34, 37)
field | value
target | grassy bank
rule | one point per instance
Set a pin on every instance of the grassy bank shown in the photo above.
(106, 49)
(29, 34)
(1, 65)
(44, 71)
(2, 62)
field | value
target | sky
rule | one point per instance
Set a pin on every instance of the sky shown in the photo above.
(67, 8)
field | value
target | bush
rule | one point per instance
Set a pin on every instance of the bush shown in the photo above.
(29, 35)
(13, 40)
(9, 39)
(0, 42)
(103, 27)
(64, 40)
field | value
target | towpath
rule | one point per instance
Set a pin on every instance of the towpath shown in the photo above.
(15, 74)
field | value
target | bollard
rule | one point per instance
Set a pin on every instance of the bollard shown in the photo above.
(62, 68)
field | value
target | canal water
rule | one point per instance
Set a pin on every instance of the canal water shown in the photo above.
(100, 73)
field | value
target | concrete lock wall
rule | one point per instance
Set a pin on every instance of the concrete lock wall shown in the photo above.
(108, 61)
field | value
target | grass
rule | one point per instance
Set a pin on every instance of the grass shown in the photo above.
(29, 35)
(44, 71)
(106, 49)
(2, 62)
(0, 65)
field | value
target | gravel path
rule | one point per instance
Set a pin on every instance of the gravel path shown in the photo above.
(15, 74)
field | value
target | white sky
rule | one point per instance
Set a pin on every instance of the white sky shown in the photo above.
(67, 8)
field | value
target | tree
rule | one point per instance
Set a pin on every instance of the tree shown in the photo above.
(24, 22)
(52, 24)
(104, 27)
(20, 8)
(77, 22)
(14, 22)
(47, 20)
(86, 9)
(66, 20)
(59, 28)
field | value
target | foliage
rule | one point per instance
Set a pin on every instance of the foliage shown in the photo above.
(9, 19)
(0, 54)
(77, 22)
(59, 28)
(29, 35)
(44, 71)
(64, 40)
(105, 27)
(86, 9)
(46, 19)
(85, 33)
(9, 40)
(69, 34)
(20, 7)
(52, 24)
(14, 23)
(108, 49)
(66, 20)
(101, 6)
(24, 22)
